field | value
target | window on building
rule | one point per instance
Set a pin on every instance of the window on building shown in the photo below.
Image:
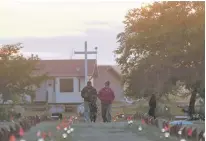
(66, 85)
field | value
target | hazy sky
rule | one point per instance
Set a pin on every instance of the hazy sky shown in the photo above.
(53, 29)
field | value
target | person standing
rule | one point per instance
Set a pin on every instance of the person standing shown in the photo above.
(87, 93)
(106, 96)
(152, 106)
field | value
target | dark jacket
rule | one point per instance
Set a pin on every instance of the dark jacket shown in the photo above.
(106, 95)
(88, 92)
(152, 102)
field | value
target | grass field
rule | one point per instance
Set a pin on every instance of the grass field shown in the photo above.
(142, 107)
(118, 107)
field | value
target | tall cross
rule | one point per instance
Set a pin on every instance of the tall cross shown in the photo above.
(86, 52)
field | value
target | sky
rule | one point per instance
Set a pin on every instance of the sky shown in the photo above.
(54, 29)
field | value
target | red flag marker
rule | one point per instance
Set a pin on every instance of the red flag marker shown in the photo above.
(166, 128)
(58, 127)
(65, 125)
(189, 132)
(143, 121)
(12, 138)
(129, 118)
(43, 135)
(21, 132)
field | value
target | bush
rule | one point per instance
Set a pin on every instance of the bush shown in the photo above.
(4, 114)
(7, 112)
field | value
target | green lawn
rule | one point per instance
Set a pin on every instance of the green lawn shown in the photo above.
(142, 107)
(118, 108)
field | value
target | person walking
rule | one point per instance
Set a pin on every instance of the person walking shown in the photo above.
(87, 93)
(93, 108)
(106, 96)
(152, 106)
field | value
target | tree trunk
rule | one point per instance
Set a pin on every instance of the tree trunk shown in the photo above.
(192, 103)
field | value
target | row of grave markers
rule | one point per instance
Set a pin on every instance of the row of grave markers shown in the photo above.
(179, 130)
(18, 128)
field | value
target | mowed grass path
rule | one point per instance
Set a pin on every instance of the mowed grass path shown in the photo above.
(119, 131)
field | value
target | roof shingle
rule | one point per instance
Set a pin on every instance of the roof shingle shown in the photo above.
(65, 67)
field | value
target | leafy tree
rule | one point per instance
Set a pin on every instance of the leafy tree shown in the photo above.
(18, 74)
(163, 43)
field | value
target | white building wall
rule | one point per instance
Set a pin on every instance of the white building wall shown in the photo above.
(57, 97)
(41, 92)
